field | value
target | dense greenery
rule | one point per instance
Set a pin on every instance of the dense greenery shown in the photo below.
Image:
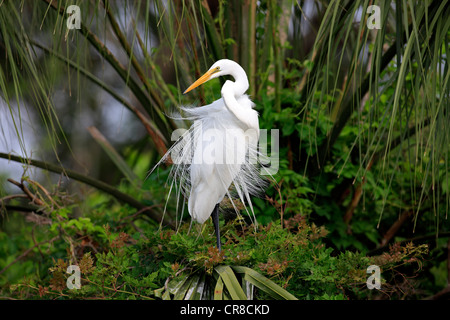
(363, 116)
(124, 260)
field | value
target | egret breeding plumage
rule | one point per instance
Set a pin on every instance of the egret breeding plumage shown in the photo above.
(218, 155)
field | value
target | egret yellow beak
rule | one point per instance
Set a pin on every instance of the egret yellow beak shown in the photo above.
(202, 79)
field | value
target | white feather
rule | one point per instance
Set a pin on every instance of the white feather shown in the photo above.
(218, 155)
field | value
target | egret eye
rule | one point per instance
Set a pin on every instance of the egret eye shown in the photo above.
(215, 70)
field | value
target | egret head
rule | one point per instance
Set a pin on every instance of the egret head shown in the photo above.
(219, 68)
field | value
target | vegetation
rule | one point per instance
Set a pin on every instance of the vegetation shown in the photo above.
(363, 119)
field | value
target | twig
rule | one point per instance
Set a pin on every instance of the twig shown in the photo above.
(394, 228)
(356, 197)
(45, 192)
(418, 239)
(27, 191)
(12, 196)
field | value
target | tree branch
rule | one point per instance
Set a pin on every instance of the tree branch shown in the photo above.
(123, 197)
(147, 102)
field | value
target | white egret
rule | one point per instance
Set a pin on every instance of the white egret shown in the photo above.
(218, 156)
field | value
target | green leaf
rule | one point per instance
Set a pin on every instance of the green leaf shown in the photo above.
(176, 286)
(231, 282)
(218, 290)
(266, 285)
(191, 292)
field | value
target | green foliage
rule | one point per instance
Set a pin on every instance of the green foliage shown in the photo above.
(136, 260)
(364, 148)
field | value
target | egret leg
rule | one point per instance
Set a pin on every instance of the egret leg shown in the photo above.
(215, 218)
